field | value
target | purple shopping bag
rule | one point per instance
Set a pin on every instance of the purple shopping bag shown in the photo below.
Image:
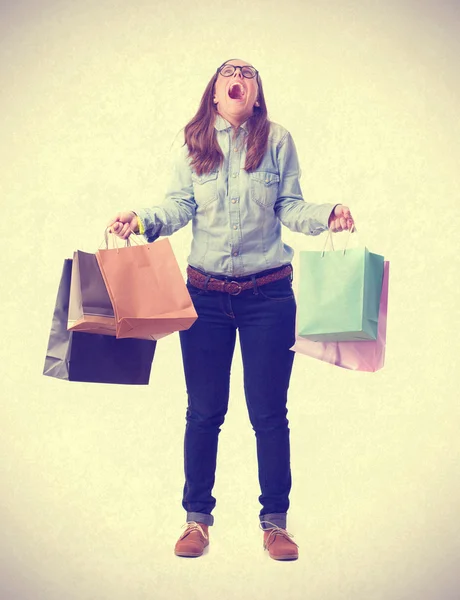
(356, 356)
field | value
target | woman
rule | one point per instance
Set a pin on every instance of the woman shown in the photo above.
(237, 180)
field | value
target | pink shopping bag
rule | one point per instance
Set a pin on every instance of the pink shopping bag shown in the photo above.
(356, 356)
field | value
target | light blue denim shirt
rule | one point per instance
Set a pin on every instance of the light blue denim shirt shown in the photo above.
(236, 216)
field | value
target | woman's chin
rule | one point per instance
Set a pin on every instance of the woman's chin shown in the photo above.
(237, 107)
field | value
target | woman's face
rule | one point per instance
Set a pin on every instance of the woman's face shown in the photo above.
(235, 96)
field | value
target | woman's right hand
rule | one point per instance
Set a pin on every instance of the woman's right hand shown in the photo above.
(124, 224)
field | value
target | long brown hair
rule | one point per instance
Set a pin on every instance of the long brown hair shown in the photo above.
(201, 140)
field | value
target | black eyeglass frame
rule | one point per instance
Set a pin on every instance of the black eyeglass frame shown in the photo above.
(235, 67)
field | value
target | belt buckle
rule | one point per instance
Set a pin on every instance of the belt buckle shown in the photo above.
(229, 283)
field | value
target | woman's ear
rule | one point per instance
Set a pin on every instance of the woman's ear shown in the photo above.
(214, 100)
(256, 103)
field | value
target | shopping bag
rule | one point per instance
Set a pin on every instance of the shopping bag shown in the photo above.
(90, 308)
(339, 294)
(90, 357)
(357, 356)
(147, 290)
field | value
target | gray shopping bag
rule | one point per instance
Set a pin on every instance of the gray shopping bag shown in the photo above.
(93, 357)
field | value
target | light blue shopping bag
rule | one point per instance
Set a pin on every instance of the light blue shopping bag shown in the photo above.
(339, 295)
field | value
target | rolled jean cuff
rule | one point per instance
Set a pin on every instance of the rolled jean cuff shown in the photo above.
(200, 518)
(278, 519)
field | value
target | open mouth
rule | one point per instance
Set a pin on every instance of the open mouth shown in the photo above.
(236, 91)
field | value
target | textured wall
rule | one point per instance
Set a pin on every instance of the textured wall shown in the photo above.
(92, 96)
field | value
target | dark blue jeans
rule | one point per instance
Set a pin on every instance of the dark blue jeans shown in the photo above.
(265, 319)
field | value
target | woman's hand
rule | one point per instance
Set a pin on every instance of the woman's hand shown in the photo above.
(124, 224)
(340, 219)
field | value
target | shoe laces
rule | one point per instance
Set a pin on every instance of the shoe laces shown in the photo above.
(192, 526)
(274, 531)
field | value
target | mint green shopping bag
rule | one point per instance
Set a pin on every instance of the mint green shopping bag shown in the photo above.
(339, 295)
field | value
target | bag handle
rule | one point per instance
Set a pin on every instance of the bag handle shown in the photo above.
(329, 236)
(127, 242)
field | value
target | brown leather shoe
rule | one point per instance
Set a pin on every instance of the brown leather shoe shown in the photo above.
(279, 544)
(193, 541)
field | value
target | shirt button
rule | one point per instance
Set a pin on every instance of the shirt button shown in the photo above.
(234, 201)
(234, 174)
(235, 226)
(235, 254)
(235, 149)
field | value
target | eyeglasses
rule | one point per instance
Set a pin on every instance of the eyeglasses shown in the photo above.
(246, 71)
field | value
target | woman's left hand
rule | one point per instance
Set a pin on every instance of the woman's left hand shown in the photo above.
(340, 219)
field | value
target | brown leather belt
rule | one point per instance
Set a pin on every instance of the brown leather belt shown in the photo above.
(205, 282)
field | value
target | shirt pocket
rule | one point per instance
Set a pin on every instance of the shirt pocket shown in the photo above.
(264, 187)
(205, 188)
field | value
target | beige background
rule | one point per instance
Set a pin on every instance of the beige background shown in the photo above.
(92, 97)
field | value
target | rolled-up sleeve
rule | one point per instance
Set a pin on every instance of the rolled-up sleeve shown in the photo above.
(178, 207)
(290, 207)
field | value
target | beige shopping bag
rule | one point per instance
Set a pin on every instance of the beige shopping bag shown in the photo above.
(90, 308)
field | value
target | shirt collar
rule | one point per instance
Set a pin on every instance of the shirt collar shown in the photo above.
(222, 124)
